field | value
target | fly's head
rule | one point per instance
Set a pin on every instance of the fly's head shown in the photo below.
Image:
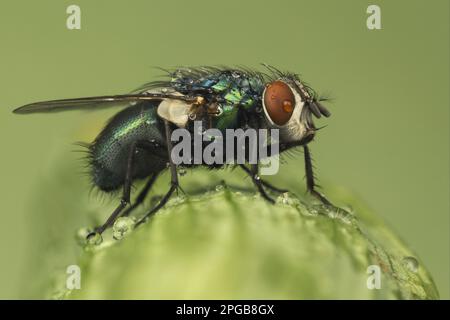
(290, 105)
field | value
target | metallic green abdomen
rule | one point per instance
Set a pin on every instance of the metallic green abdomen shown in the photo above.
(111, 149)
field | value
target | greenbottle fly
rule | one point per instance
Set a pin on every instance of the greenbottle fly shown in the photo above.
(135, 143)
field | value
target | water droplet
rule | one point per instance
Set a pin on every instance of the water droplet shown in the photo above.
(182, 171)
(257, 178)
(313, 210)
(283, 198)
(219, 187)
(94, 239)
(178, 200)
(81, 235)
(328, 211)
(346, 217)
(122, 227)
(411, 264)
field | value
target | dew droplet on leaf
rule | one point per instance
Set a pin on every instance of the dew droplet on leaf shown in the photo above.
(94, 239)
(122, 227)
(81, 235)
(411, 264)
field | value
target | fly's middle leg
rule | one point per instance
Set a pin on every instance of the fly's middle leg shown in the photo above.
(142, 195)
(257, 181)
(263, 182)
(174, 184)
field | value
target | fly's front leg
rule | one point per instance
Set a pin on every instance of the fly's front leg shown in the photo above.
(310, 183)
(174, 185)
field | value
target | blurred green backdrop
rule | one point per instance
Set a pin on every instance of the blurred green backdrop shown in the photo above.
(388, 138)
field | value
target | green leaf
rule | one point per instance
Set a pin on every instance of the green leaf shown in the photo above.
(223, 243)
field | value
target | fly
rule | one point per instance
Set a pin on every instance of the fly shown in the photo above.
(136, 142)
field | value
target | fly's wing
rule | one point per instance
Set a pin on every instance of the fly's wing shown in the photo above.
(91, 103)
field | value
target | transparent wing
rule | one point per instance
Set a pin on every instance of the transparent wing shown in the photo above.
(90, 103)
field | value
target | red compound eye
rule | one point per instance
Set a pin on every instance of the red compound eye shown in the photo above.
(279, 102)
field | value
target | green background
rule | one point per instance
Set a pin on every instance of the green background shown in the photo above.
(388, 138)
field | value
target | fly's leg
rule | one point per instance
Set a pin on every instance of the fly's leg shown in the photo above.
(161, 204)
(310, 183)
(142, 195)
(125, 195)
(273, 188)
(257, 181)
(174, 185)
(253, 173)
(264, 183)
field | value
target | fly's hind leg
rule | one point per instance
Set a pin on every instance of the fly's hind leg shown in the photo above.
(174, 185)
(125, 194)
